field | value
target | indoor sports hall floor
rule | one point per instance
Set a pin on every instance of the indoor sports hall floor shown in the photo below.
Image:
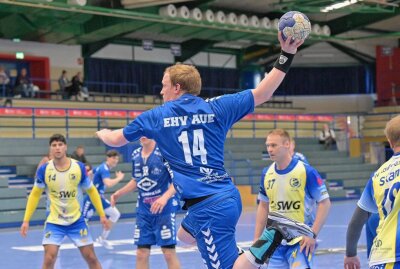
(18, 253)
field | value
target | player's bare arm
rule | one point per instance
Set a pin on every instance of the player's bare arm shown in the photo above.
(270, 83)
(129, 187)
(112, 138)
(112, 182)
(307, 243)
(261, 219)
(159, 204)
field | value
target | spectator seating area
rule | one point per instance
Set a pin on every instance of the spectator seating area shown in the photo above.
(375, 122)
(19, 158)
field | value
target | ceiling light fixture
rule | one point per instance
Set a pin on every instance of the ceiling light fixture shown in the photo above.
(339, 5)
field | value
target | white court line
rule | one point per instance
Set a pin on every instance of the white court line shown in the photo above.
(155, 251)
(37, 248)
(326, 225)
(158, 251)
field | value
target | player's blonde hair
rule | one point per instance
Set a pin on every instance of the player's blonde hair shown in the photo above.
(282, 133)
(392, 131)
(186, 76)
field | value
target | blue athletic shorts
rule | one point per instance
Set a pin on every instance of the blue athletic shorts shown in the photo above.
(288, 257)
(213, 223)
(78, 232)
(88, 208)
(155, 230)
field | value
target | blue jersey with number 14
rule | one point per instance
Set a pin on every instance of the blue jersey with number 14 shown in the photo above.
(190, 133)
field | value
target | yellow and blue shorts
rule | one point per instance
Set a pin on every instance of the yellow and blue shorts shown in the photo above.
(78, 232)
(392, 265)
(290, 257)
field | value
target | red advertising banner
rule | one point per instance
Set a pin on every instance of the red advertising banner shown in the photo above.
(50, 112)
(305, 117)
(285, 117)
(16, 112)
(82, 113)
(134, 114)
(248, 117)
(324, 118)
(264, 116)
(113, 113)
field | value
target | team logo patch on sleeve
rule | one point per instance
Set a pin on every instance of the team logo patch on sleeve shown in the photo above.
(320, 181)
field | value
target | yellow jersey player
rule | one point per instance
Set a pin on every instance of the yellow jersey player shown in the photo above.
(295, 190)
(379, 196)
(62, 177)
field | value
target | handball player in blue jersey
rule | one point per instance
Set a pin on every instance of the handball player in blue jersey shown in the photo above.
(156, 207)
(296, 155)
(190, 133)
(102, 180)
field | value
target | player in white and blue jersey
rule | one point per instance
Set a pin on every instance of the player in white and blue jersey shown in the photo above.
(155, 208)
(102, 180)
(380, 197)
(190, 134)
(63, 177)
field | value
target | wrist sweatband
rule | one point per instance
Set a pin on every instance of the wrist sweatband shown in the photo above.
(284, 61)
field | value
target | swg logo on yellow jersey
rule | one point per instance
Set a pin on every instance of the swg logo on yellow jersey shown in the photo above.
(66, 194)
(285, 205)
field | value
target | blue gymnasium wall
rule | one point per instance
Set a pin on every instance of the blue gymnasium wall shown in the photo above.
(329, 80)
(299, 81)
(146, 75)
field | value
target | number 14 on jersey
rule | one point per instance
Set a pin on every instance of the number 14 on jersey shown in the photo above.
(198, 146)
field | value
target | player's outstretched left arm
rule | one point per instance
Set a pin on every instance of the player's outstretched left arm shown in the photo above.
(271, 82)
(114, 138)
(96, 201)
(31, 205)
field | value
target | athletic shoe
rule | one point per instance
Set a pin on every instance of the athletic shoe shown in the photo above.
(104, 243)
(288, 227)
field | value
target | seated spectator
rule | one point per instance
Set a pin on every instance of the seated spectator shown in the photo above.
(327, 137)
(79, 154)
(4, 82)
(77, 89)
(8, 102)
(63, 83)
(23, 85)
